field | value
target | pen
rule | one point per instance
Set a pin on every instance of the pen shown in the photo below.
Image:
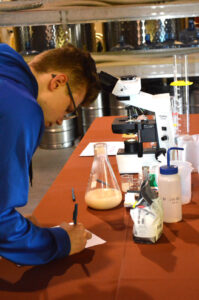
(73, 195)
(75, 214)
(75, 211)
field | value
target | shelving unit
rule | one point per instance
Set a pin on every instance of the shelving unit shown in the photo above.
(146, 64)
(56, 13)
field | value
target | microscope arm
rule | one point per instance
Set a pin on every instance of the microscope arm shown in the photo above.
(127, 89)
(159, 104)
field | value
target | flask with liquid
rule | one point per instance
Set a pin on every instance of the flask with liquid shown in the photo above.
(169, 185)
(103, 191)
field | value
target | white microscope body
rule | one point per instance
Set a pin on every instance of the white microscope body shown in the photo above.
(128, 91)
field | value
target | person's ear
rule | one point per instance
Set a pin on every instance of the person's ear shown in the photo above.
(57, 81)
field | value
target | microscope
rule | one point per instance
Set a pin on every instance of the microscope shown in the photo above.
(158, 131)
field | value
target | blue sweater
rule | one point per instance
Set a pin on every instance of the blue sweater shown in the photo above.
(21, 127)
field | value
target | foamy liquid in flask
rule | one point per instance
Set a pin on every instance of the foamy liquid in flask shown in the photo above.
(103, 191)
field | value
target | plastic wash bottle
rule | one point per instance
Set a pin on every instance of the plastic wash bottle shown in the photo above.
(170, 191)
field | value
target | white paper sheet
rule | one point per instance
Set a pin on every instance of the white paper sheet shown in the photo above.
(112, 148)
(94, 241)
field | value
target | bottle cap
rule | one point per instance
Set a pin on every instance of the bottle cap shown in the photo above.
(170, 169)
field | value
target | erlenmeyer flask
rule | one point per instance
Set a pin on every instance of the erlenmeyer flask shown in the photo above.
(103, 191)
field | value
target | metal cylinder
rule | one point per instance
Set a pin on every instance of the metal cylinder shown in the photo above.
(194, 102)
(112, 32)
(116, 107)
(60, 136)
(134, 32)
(30, 39)
(97, 108)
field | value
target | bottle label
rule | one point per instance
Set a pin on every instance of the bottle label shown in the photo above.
(172, 201)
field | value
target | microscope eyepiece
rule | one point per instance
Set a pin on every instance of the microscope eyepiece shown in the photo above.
(128, 77)
(107, 81)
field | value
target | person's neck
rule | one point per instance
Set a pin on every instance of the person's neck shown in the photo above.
(42, 81)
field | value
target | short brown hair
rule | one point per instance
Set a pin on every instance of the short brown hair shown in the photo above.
(78, 64)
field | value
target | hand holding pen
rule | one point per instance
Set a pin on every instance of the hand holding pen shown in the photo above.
(77, 233)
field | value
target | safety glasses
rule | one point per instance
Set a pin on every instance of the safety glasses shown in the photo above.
(74, 113)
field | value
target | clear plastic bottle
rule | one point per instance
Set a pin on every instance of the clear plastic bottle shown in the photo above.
(190, 152)
(103, 191)
(169, 186)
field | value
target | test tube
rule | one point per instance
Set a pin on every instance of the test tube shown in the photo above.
(180, 101)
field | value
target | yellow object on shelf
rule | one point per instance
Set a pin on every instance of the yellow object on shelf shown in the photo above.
(181, 83)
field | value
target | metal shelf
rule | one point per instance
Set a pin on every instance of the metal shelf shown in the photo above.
(151, 64)
(144, 66)
(52, 13)
(146, 71)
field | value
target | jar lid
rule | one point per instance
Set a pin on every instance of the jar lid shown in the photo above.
(169, 170)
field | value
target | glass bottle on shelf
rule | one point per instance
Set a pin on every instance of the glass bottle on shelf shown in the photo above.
(122, 46)
(103, 191)
(170, 41)
(147, 44)
(189, 35)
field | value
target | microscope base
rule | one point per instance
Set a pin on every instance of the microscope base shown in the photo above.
(131, 163)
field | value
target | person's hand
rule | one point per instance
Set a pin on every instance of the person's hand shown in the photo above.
(78, 236)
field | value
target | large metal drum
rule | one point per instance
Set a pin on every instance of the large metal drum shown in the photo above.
(60, 136)
(133, 33)
(194, 102)
(116, 107)
(31, 39)
(98, 108)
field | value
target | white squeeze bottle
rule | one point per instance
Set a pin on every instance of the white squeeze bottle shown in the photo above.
(169, 186)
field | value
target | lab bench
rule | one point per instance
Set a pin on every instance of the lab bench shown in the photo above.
(119, 268)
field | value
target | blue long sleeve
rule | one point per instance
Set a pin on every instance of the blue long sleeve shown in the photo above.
(26, 244)
(21, 128)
